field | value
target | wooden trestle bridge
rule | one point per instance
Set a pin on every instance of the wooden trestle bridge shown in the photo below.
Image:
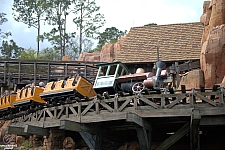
(191, 109)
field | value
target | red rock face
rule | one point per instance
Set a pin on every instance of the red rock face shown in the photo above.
(193, 79)
(107, 54)
(212, 57)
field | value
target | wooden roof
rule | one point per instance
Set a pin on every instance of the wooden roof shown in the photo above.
(175, 41)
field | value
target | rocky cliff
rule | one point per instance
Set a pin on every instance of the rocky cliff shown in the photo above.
(212, 56)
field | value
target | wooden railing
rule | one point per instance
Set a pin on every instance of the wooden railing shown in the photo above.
(21, 71)
(116, 107)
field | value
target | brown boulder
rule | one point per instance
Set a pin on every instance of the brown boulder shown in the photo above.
(213, 56)
(130, 146)
(68, 143)
(193, 79)
(19, 140)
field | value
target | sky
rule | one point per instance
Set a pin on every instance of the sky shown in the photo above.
(122, 14)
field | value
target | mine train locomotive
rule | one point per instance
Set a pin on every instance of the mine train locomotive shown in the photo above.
(112, 78)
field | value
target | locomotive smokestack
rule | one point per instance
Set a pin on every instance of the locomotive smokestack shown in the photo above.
(160, 66)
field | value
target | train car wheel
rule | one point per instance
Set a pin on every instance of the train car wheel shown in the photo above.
(138, 87)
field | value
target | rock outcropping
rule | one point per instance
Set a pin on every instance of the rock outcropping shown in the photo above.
(213, 42)
(107, 54)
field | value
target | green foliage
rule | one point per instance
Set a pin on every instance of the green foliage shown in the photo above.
(110, 35)
(31, 12)
(10, 49)
(50, 54)
(56, 16)
(151, 24)
(29, 54)
(26, 144)
(87, 19)
(3, 19)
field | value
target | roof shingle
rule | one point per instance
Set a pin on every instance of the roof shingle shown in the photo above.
(175, 41)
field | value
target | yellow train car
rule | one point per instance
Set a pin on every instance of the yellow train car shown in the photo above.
(72, 87)
(6, 102)
(29, 96)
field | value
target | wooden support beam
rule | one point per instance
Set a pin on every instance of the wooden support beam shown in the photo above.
(212, 120)
(143, 130)
(132, 117)
(175, 137)
(77, 127)
(15, 130)
(144, 138)
(194, 130)
(93, 141)
(29, 129)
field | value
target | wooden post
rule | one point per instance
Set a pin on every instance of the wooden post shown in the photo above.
(194, 130)
(215, 88)
(5, 72)
(143, 129)
(221, 96)
(116, 102)
(35, 71)
(66, 70)
(202, 89)
(183, 90)
(19, 73)
(49, 72)
(177, 74)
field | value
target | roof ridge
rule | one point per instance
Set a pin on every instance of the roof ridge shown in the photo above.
(167, 25)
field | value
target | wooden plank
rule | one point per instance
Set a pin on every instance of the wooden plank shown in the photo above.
(116, 102)
(36, 130)
(134, 118)
(78, 127)
(73, 111)
(110, 109)
(205, 99)
(175, 137)
(149, 102)
(87, 108)
(176, 101)
(194, 130)
(49, 113)
(15, 130)
(60, 112)
(124, 104)
(212, 120)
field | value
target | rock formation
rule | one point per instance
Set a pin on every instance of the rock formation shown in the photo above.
(212, 57)
(107, 54)
(193, 79)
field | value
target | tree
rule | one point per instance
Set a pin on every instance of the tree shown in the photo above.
(87, 20)
(56, 16)
(150, 24)
(110, 35)
(31, 12)
(29, 54)
(49, 54)
(9, 48)
(3, 19)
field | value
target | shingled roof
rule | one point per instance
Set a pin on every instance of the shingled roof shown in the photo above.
(175, 41)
